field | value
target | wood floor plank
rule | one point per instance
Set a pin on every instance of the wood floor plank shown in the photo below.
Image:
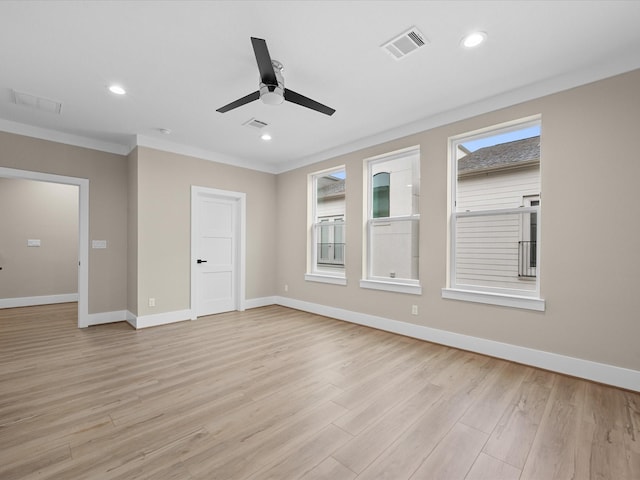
(489, 468)
(362, 450)
(512, 438)
(329, 468)
(406, 454)
(242, 458)
(304, 457)
(632, 431)
(374, 403)
(603, 449)
(555, 448)
(485, 413)
(17, 466)
(278, 393)
(453, 457)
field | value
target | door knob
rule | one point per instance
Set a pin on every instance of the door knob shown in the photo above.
(201, 261)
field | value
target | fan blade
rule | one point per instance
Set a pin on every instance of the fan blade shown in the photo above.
(267, 74)
(293, 97)
(241, 101)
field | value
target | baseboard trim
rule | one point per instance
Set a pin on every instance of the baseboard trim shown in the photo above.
(146, 321)
(39, 300)
(154, 320)
(259, 302)
(106, 317)
(597, 372)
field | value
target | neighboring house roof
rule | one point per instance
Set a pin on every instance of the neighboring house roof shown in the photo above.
(503, 155)
(331, 189)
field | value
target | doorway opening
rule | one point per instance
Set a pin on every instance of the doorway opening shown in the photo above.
(83, 229)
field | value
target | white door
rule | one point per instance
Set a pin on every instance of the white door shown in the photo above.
(215, 254)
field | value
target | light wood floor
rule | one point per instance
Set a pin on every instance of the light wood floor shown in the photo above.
(275, 393)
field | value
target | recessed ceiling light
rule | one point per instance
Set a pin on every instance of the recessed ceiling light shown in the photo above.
(266, 137)
(117, 89)
(474, 39)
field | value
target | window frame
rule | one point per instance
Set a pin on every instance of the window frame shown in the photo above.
(526, 299)
(333, 275)
(369, 281)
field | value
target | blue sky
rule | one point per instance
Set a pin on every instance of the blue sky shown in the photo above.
(474, 145)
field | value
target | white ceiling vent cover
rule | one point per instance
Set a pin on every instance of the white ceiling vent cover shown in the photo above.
(405, 43)
(39, 103)
(254, 122)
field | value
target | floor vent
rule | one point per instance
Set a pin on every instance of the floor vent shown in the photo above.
(255, 123)
(38, 103)
(404, 44)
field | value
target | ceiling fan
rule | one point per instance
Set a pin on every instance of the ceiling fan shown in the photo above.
(272, 91)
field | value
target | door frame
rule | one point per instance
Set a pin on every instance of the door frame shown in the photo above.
(83, 229)
(240, 200)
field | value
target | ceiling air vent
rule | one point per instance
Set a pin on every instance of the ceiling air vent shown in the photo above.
(405, 43)
(255, 123)
(38, 103)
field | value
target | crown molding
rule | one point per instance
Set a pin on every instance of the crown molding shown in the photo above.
(60, 137)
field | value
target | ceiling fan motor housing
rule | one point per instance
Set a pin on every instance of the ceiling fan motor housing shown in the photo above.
(273, 94)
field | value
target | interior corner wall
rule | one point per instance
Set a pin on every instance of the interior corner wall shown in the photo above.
(48, 213)
(107, 175)
(132, 232)
(164, 183)
(589, 228)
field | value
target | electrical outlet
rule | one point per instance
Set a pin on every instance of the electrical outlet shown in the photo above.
(286, 288)
(414, 309)
(152, 302)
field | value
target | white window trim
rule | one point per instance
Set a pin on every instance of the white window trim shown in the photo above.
(390, 286)
(493, 296)
(314, 274)
(326, 278)
(400, 285)
(490, 298)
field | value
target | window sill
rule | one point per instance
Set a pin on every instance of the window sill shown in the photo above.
(410, 288)
(515, 301)
(320, 278)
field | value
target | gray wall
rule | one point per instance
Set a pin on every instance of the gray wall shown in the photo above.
(589, 226)
(107, 174)
(163, 234)
(47, 212)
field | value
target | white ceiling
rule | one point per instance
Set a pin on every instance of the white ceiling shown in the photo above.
(180, 60)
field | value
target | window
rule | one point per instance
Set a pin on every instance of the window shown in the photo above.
(527, 251)
(495, 208)
(392, 222)
(326, 257)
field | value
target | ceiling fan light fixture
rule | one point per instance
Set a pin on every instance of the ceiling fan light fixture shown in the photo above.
(276, 97)
(473, 39)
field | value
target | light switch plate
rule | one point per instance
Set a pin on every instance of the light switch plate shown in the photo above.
(98, 244)
(32, 242)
